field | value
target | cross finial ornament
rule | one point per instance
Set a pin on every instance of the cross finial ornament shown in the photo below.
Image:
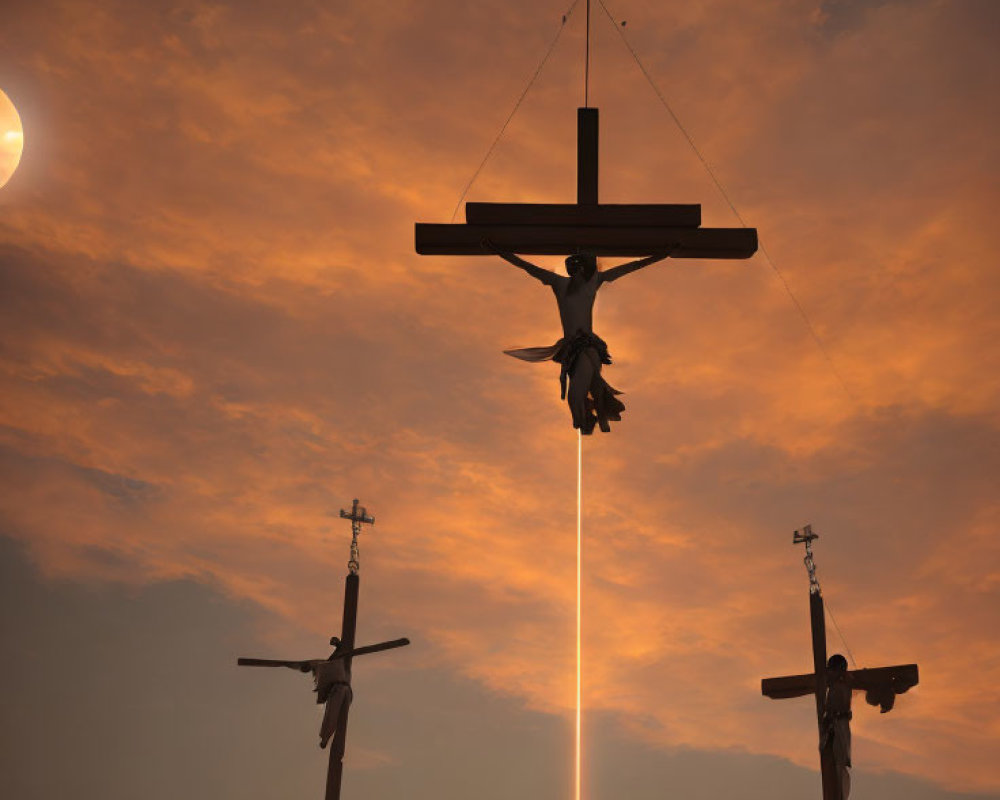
(358, 516)
(806, 537)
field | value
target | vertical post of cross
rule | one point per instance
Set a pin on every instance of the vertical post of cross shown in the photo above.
(817, 624)
(586, 156)
(817, 618)
(358, 516)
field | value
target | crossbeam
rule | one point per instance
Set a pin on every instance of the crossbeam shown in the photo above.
(873, 681)
(305, 666)
(553, 240)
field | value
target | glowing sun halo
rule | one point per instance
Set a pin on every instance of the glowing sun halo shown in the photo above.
(11, 138)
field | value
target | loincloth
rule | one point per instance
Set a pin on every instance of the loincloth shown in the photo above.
(602, 404)
(566, 352)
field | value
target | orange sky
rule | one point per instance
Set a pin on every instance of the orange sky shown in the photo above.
(216, 332)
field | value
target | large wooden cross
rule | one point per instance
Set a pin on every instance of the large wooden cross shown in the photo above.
(587, 226)
(358, 516)
(880, 684)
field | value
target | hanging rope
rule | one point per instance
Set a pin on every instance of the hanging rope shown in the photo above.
(725, 195)
(513, 111)
(829, 613)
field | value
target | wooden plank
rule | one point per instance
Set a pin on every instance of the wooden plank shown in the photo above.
(467, 240)
(860, 679)
(586, 155)
(875, 677)
(788, 686)
(304, 666)
(373, 648)
(603, 214)
(348, 629)
(817, 627)
(349, 623)
(817, 624)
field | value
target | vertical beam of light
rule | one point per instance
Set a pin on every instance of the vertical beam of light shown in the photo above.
(579, 608)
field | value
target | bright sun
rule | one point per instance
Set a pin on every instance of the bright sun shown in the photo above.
(11, 138)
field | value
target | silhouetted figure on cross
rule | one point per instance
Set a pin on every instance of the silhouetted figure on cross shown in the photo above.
(333, 687)
(835, 727)
(580, 351)
(332, 680)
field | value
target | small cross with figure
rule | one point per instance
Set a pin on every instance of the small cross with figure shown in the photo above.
(332, 675)
(832, 684)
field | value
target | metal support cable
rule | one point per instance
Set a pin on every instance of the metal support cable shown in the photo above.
(840, 633)
(806, 537)
(732, 206)
(513, 111)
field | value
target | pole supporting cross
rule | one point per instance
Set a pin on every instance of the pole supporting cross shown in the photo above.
(358, 517)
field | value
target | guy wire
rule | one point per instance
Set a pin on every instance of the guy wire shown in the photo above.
(840, 633)
(725, 195)
(513, 111)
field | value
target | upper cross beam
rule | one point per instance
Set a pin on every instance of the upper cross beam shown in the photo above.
(588, 226)
(308, 664)
(590, 215)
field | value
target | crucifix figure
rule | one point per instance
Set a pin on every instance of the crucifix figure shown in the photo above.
(332, 675)
(583, 231)
(580, 351)
(832, 684)
(331, 682)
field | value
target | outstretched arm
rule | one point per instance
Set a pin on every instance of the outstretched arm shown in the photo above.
(544, 275)
(615, 273)
(301, 666)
